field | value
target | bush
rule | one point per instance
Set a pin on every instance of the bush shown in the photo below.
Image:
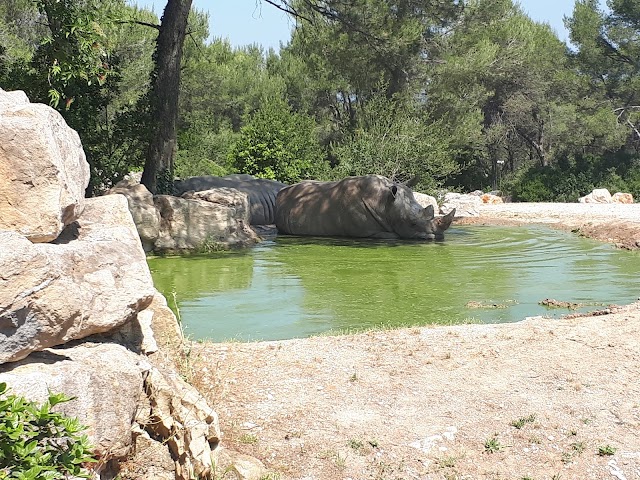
(36, 443)
(278, 145)
(395, 140)
(571, 179)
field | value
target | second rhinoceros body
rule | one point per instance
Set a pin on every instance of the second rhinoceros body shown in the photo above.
(261, 192)
(369, 206)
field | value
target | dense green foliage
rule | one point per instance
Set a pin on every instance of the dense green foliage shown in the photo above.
(278, 145)
(464, 95)
(38, 444)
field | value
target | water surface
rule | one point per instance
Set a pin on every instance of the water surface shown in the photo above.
(295, 287)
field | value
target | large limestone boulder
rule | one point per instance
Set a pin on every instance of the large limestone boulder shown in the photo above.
(425, 200)
(94, 279)
(105, 378)
(43, 170)
(598, 195)
(466, 205)
(197, 223)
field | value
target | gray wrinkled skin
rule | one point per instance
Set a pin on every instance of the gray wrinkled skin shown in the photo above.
(261, 192)
(371, 206)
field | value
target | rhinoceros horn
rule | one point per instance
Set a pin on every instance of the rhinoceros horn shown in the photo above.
(445, 222)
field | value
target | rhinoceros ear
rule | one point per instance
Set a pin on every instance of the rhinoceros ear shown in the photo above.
(429, 211)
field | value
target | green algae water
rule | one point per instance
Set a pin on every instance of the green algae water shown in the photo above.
(293, 287)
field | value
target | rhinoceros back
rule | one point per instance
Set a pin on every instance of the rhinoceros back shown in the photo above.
(353, 207)
(261, 192)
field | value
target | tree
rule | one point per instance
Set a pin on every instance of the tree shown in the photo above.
(351, 49)
(163, 100)
(516, 73)
(397, 139)
(607, 56)
(221, 87)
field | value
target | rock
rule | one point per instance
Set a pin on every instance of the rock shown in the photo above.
(208, 220)
(143, 210)
(620, 197)
(425, 200)
(151, 459)
(243, 466)
(598, 195)
(94, 280)
(43, 169)
(182, 419)
(106, 380)
(465, 205)
(155, 328)
(195, 224)
(491, 199)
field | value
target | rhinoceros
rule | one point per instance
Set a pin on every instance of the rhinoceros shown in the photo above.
(369, 206)
(261, 192)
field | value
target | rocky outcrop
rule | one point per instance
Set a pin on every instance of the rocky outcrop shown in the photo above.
(599, 195)
(261, 192)
(199, 221)
(78, 310)
(620, 197)
(43, 172)
(180, 416)
(58, 292)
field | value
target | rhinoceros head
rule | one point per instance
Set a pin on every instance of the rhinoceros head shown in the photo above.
(410, 220)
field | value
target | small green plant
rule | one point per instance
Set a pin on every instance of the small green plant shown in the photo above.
(604, 450)
(521, 422)
(356, 444)
(211, 245)
(270, 476)
(493, 445)
(36, 443)
(447, 461)
(248, 439)
(578, 447)
(354, 377)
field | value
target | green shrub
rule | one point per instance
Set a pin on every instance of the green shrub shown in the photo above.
(571, 178)
(278, 145)
(36, 443)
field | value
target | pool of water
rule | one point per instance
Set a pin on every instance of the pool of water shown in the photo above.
(295, 287)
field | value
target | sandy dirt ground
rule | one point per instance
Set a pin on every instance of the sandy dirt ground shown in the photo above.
(538, 399)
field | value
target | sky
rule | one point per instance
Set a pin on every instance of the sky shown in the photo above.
(245, 22)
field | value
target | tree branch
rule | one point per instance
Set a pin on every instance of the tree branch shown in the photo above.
(138, 22)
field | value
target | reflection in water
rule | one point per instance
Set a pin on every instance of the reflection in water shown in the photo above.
(296, 287)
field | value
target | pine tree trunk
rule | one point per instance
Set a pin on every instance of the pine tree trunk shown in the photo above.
(158, 168)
